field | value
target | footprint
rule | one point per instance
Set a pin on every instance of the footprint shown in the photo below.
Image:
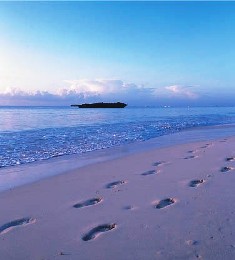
(97, 230)
(86, 203)
(190, 157)
(129, 207)
(192, 242)
(114, 184)
(63, 253)
(226, 169)
(164, 203)
(224, 141)
(149, 173)
(230, 159)
(192, 151)
(19, 222)
(205, 146)
(158, 163)
(195, 183)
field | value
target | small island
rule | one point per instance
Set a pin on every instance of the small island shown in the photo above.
(101, 105)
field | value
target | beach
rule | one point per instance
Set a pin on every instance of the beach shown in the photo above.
(117, 130)
(173, 202)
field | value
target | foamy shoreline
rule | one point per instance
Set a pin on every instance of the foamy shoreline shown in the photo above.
(165, 203)
(15, 176)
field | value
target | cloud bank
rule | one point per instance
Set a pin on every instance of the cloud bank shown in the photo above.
(78, 91)
(107, 90)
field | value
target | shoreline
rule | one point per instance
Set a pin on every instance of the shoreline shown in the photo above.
(171, 202)
(15, 176)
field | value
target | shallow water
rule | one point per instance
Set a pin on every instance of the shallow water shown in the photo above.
(18, 175)
(29, 134)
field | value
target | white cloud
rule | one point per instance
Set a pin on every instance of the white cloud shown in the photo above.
(14, 92)
(78, 91)
(182, 91)
(98, 86)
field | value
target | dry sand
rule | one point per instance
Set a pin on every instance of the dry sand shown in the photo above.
(168, 203)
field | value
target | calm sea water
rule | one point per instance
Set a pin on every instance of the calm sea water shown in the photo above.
(29, 134)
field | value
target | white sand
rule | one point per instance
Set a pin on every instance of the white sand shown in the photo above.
(38, 221)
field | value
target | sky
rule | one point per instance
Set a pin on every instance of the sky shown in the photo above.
(142, 53)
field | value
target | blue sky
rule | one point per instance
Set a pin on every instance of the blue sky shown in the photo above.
(155, 53)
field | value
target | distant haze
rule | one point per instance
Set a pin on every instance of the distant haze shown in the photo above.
(142, 53)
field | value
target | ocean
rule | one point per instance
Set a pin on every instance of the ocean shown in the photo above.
(31, 134)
